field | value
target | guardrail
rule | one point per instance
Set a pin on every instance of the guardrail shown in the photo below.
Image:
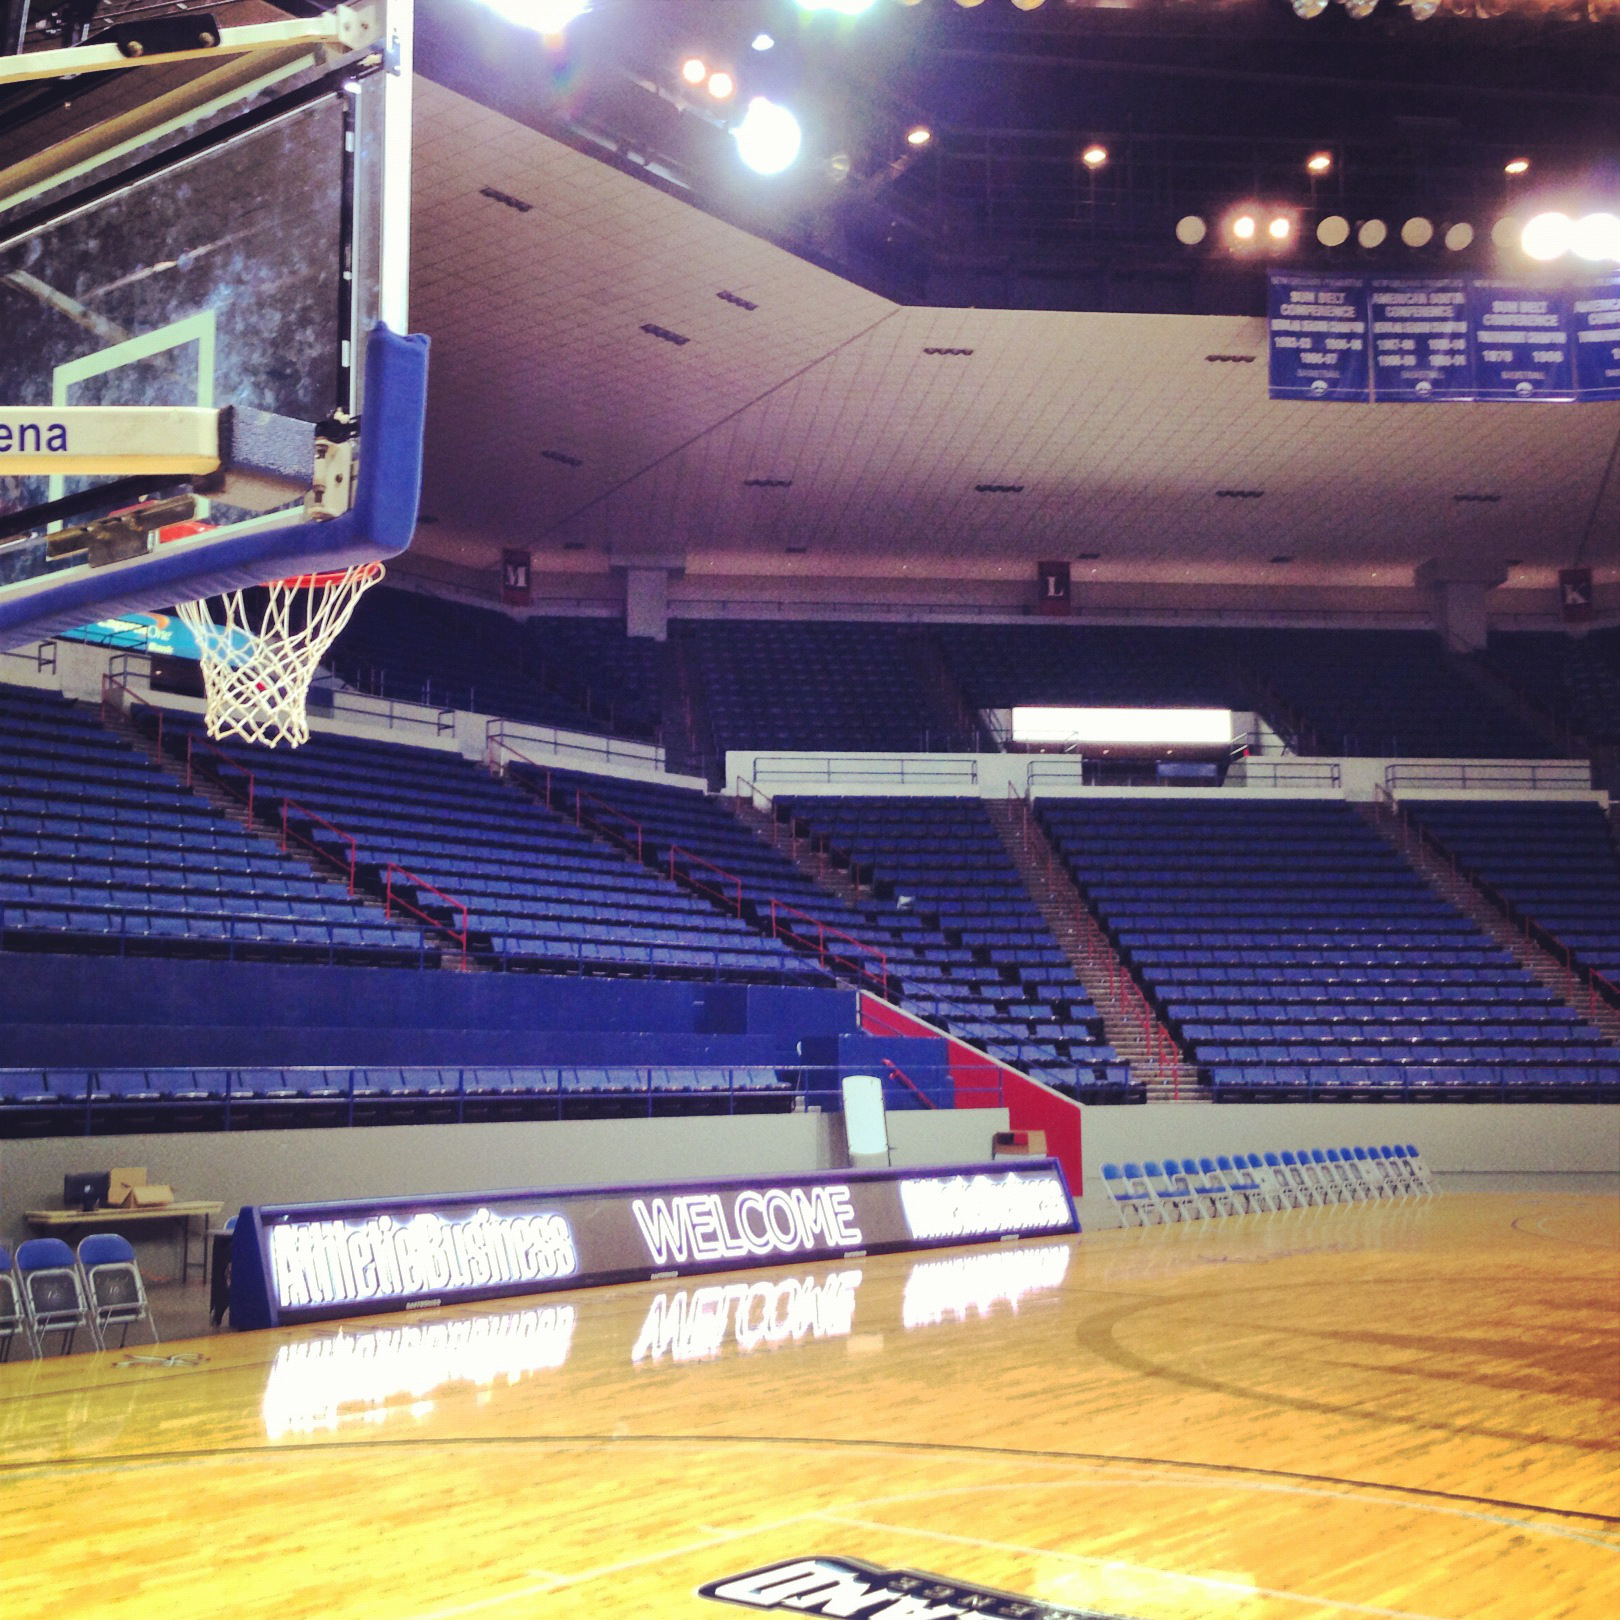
(692, 858)
(500, 734)
(602, 818)
(115, 695)
(287, 833)
(390, 900)
(41, 656)
(390, 713)
(1508, 776)
(193, 744)
(894, 770)
(781, 928)
(1286, 773)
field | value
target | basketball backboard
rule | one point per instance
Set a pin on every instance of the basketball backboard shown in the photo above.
(219, 219)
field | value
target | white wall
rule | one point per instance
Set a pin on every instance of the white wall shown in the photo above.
(1453, 1137)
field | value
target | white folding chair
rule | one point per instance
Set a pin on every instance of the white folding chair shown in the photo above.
(113, 1288)
(52, 1290)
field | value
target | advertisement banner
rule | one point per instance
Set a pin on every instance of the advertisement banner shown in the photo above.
(1420, 346)
(1317, 335)
(309, 1262)
(1521, 342)
(1595, 318)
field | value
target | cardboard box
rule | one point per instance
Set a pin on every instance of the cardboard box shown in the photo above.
(154, 1196)
(121, 1184)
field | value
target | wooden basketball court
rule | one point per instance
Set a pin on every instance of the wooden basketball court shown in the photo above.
(1382, 1411)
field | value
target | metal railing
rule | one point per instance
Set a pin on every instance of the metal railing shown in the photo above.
(391, 899)
(886, 770)
(124, 699)
(390, 713)
(690, 858)
(831, 959)
(194, 743)
(1510, 776)
(1290, 773)
(288, 833)
(500, 734)
(601, 817)
(41, 656)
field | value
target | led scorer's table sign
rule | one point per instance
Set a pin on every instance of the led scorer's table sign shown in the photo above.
(306, 1262)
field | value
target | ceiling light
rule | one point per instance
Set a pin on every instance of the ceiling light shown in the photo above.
(1505, 232)
(1309, 8)
(1190, 230)
(1334, 231)
(1516, 166)
(1319, 163)
(1596, 238)
(1547, 236)
(920, 135)
(722, 86)
(1417, 232)
(1459, 236)
(1243, 227)
(1360, 9)
(1280, 228)
(768, 138)
(548, 17)
(1094, 155)
(1371, 233)
(694, 70)
(763, 42)
(1029, 5)
(1422, 10)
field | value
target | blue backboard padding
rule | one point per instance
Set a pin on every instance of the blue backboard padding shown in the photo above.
(379, 525)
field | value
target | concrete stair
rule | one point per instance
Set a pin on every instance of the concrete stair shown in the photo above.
(1438, 868)
(1130, 1024)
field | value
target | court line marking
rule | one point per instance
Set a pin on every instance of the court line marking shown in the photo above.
(1242, 1588)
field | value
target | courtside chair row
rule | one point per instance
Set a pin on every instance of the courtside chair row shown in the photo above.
(1155, 1193)
(49, 1294)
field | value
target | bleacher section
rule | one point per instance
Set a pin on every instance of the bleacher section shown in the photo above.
(542, 893)
(100, 850)
(579, 674)
(1295, 954)
(973, 951)
(1575, 681)
(838, 687)
(1001, 665)
(1378, 693)
(1555, 863)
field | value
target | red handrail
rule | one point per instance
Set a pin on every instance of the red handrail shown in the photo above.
(780, 909)
(581, 798)
(690, 855)
(390, 900)
(348, 838)
(906, 1080)
(497, 740)
(193, 741)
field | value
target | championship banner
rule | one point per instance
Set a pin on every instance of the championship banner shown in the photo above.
(1595, 321)
(1317, 336)
(1521, 342)
(311, 1262)
(1420, 346)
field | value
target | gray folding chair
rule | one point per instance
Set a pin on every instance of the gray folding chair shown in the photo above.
(52, 1291)
(113, 1287)
(14, 1323)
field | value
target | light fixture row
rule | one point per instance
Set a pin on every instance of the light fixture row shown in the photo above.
(1545, 237)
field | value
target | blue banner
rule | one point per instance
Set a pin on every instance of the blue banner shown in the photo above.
(161, 634)
(1318, 337)
(1420, 346)
(1522, 347)
(1596, 319)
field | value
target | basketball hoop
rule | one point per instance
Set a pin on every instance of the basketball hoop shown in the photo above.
(257, 663)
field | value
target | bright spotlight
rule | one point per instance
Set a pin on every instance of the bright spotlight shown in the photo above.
(1505, 232)
(1190, 230)
(694, 70)
(722, 86)
(1417, 232)
(1094, 155)
(763, 42)
(1459, 236)
(1319, 163)
(768, 138)
(1029, 5)
(1547, 236)
(1309, 8)
(548, 17)
(920, 135)
(1360, 9)
(1516, 166)
(1280, 228)
(1334, 231)
(1243, 227)
(1596, 238)
(1422, 10)
(1371, 233)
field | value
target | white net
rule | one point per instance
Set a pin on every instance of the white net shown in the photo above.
(260, 650)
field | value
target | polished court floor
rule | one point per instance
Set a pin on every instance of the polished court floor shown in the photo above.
(1396, 1411)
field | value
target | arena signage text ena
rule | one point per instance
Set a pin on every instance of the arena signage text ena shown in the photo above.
(308, 1262)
